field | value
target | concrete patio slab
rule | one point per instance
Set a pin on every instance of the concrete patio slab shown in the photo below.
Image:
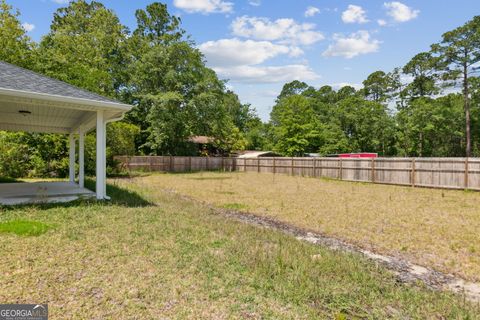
(41, 192)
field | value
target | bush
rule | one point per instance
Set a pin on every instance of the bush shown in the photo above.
(46, 155)
(13, 157)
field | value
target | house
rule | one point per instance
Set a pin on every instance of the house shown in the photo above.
(205, 146)
(35, 103)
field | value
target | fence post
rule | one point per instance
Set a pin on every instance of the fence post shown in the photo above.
(258, 164)
(314, 167)
(223, 164)
(189, 164)
(466, 173)
(321, 168)
(244, 164)
(274, 168)
(291, 167)
(373, 170)
(340, 169)
(413, 172)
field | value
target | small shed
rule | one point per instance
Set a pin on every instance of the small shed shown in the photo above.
(35, 103)
(257, 154)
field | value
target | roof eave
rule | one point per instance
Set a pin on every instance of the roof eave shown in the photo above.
(101, 105)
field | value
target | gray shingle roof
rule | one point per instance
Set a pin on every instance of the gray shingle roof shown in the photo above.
(17, 78)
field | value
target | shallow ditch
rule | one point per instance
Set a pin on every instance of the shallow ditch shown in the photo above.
(404, 270)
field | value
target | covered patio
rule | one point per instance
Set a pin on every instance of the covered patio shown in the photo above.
(35, 103)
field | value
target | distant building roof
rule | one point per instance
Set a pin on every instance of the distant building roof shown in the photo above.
(313, 155)
(257, 154)
(201, 139)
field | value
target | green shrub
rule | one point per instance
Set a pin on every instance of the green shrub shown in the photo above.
(13, 157)
(46, 155)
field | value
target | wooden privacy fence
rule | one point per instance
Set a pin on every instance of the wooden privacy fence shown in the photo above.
(450, 173)
(175, 164)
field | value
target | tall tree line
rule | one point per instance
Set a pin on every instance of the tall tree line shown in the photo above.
(429, 107)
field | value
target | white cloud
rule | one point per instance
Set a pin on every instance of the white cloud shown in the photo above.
(239, 60)
(28, 26)
(235, 52)
(353, 45)
(61, 1)
(268, 74)
(295, 52)
(282, 30)
(311, 11)
(400, 12)
(381, 22)
(354, 14)
(204, 6)
(255, 3)
(340, 85)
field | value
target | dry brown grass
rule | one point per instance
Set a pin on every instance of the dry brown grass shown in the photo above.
(436, 228)
(149, 254)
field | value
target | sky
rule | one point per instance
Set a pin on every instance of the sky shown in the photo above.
(259, 45)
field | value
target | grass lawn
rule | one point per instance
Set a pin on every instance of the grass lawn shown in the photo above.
(431, 227)
(152, 255)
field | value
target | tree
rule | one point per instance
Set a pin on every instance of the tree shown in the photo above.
(378, 86)
(84, 47)
(176, 95)
(326, 94)
(293, 88)
(475, 124)
(296, 127)
(168, 130)
(157, 26)
(431, 127)
(243, 115)
(346, 92)
(16, 46)
(366, 124)
(458, 52)
(259, 136)
(422, 67)
(121, 138)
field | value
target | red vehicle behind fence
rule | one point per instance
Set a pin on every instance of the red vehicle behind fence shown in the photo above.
(358, 155)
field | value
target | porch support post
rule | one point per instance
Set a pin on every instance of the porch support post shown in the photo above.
(81, 157)
(71, 154)
(101, 156)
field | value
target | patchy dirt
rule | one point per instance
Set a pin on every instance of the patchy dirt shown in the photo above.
(405, 271)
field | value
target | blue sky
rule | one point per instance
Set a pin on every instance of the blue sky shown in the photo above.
(261, 44)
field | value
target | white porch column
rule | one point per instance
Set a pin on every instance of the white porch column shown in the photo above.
(71, 154)
(101, 156)
(81, 157)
